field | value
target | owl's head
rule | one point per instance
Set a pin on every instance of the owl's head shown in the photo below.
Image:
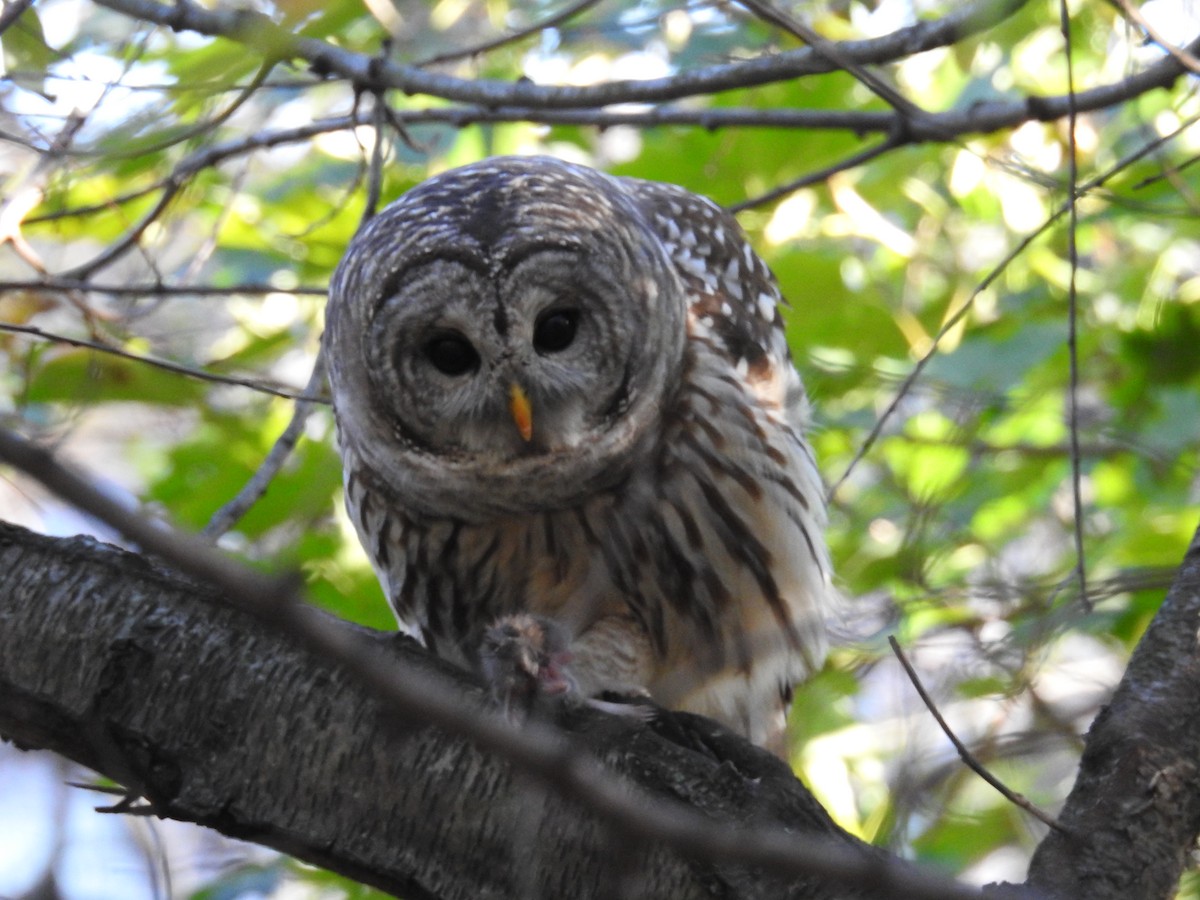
(504, 335)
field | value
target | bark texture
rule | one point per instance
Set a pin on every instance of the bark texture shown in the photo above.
(1133, 816)
(148, 679)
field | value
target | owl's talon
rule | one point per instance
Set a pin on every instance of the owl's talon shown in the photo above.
(634, 705)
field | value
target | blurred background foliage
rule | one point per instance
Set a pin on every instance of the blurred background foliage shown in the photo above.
(208, 169)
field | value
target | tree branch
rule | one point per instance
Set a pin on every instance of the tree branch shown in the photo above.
(417, 695)
(553, 21)
(254, 384)
(493, 101)
(1133, 815)
(153, 289)
(265, 36)
(216, 719)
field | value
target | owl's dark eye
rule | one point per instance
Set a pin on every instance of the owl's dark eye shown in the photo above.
(452, 354)
(555, 330)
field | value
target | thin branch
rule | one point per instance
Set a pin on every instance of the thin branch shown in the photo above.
(25, 194)
(233, 511)
(153, 289)
(117, 249)
(951, 322)
(209, 158)
(1073, 309)
(13, 10)
(1033, 590)
(963, 753)
(830, 51)
(542, 753)
(906, 385)
(1100, 449)
(375, 167)
(850, 162)
(260, 32)
(212, 238)
(1154, 179)
(553, 21)
(1186, 59)
(365, 71)
(159, 363)
(245, 93)
(218, 84)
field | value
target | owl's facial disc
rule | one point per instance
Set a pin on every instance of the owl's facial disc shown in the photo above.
(532, 273)
(498, 364)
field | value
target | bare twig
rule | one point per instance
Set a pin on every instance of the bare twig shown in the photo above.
(1185, 58)
(179, 177)
(12, 11)
(245, 93)
(165, 364)
(553, 21)
(231, 513)
(25, 194)
(209, 158)
(213, 236)
(375, 167)
(151, 289)
(1099, 449)
(902, 391)
(963, 753)
(1073, 310)
(830, 51)
(542, 753)
(1152, 179)
(260, 32)
(850, 162)
(119, 248)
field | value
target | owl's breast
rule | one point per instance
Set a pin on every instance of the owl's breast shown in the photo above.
(447, 579)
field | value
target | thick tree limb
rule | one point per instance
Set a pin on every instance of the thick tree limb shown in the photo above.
(1133, 816)
(215, 719)
(540, 752)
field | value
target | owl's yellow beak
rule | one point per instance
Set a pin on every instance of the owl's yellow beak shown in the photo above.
(522, 413)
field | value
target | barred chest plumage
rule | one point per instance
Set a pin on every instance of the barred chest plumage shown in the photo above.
(705, 563)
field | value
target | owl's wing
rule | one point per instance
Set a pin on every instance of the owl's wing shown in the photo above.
(740, 431)
(733, 297)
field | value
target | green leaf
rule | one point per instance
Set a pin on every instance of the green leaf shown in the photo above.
(24, 46)
(89, 377)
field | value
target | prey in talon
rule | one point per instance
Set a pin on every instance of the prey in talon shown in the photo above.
(522, 658)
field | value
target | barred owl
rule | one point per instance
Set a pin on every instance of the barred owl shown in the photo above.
(566, 395)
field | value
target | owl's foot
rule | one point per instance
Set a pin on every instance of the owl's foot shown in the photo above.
(634, 703)
(524, 658)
